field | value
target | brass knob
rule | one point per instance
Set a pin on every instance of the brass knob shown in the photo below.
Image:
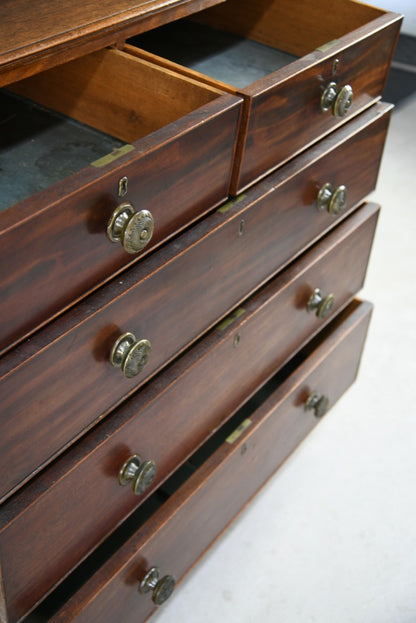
(339, 100)
(319, 404)
(331, 199)
(321, 304)
(162, 588)
(130, 355)
(133, 229)
(139, 473)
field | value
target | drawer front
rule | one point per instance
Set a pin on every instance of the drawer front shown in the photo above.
(237, 358)
(282, 111)
(287, 117)
(63, 377)
(54, 245)
(188, 522)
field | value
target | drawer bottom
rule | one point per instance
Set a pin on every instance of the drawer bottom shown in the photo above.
(173, 528)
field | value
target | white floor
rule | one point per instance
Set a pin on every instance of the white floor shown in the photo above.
(332, 536)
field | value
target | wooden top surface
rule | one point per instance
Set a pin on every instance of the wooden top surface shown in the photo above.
(36, 35)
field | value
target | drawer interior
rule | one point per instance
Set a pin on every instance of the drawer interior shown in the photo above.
(242, 41)
(229, 58)
(39, 147)
(103, 100)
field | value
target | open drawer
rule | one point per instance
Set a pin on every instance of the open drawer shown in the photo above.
(72, 214)
(176, 525)
(301, 68)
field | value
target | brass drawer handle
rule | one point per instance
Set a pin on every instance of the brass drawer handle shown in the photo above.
(339, 100)
(140, 474)
(331, 199)
(133, 229)
(322, 305)
(130, 355)
(162, 588)
(319, 404)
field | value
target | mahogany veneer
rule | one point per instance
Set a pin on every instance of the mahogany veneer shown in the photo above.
(279, 325)
(187, 523)
(180, 144)
(346, 42)
(221, 290)
(63, 375)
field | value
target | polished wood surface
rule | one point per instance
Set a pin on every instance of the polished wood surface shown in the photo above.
(63, 377)
(35, 36)
(296, 26)
(285, 114)
(221, 292)
(117, 93)
(179, 532)
(54, 246)
(271, 327)
(282, 111)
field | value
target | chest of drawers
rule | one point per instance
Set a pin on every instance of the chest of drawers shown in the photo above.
(180, 313)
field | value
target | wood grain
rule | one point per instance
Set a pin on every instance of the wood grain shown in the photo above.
(117, 93)
(36, 36)
(54, 246)
(179, 532)
(58, 386)
(282, 111)
(170, 298)
(184, 410)
(295, 26)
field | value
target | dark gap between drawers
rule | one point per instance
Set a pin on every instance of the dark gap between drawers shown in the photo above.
(39, 147)
(132, 524)
(81, 574)
(221, 55)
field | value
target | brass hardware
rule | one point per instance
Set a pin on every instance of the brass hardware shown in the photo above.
(162, 588)
(133, 229)
(112, 156)
(241, 428)
(122, 186)
(236, 340)
(321, 304)
(335, 66)
(331, 199)
(338, 100)
(318, 403)
(241, 227)
(140, 474)
(130, 355)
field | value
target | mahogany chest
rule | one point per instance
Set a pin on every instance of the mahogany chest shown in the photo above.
(183, 236)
